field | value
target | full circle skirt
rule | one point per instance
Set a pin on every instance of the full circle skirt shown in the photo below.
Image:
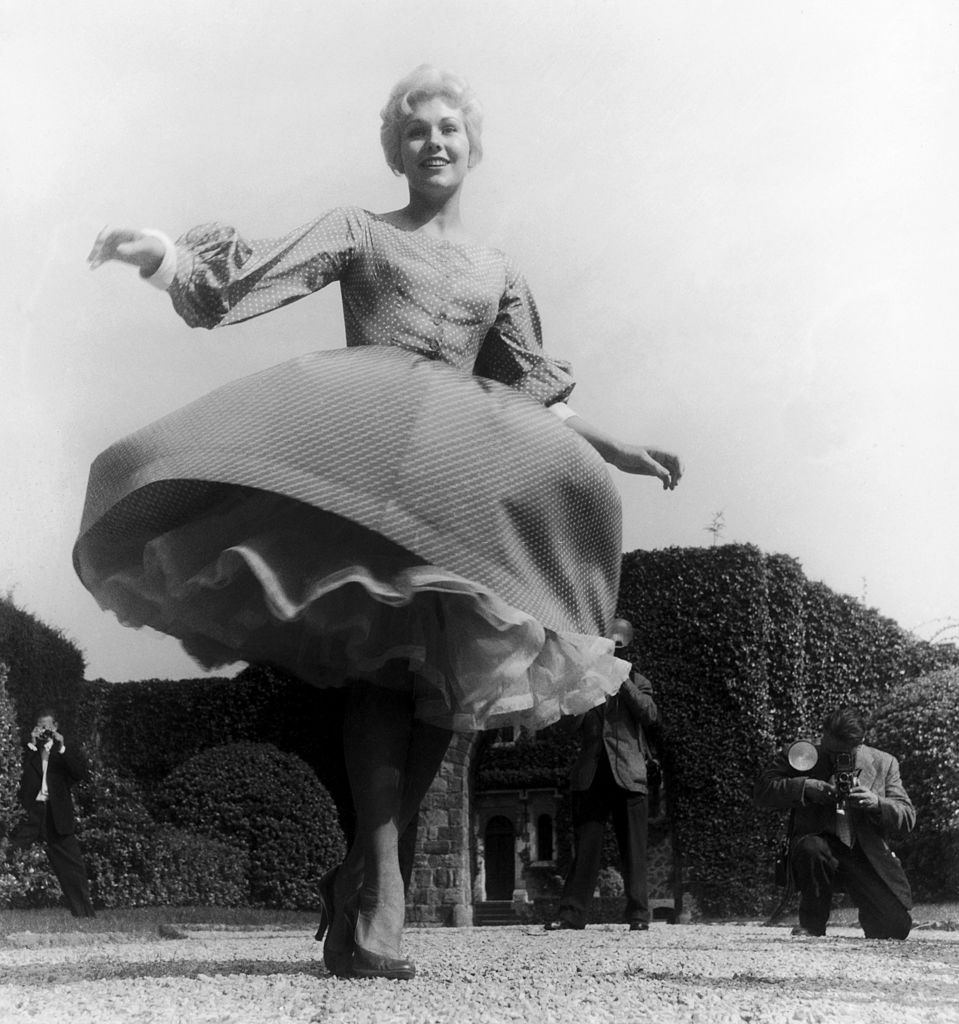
(352, 507)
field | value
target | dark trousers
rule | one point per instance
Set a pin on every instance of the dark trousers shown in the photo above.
(822, 863)
(591, 810)
(67, 864)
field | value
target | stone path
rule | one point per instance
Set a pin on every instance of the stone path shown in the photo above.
(707, 974)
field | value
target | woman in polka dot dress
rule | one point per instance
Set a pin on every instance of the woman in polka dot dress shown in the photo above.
(418, 516)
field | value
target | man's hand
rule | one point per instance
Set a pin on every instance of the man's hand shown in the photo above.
(818, 792)
(862, 799)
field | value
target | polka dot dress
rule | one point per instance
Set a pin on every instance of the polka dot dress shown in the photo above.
(406, 497)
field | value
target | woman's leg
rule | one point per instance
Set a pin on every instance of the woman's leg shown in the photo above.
(392, 759)
(376, 739)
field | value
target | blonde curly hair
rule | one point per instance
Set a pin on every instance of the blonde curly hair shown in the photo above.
(425, 83)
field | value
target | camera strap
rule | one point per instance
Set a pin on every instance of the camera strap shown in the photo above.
(844, 829)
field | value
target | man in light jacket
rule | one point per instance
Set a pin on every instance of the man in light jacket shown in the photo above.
(843, 842)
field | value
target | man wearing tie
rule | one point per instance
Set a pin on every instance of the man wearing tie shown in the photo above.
(843, 841)
(50, 770)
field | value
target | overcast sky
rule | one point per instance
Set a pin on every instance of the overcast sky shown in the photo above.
(740, 221)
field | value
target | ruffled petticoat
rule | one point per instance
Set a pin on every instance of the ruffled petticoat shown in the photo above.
(361, 505)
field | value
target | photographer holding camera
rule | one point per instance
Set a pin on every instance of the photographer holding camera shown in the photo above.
(846, 799)
(50, 770)
(612, 778)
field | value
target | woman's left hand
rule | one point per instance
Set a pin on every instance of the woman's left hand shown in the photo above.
(651, 462)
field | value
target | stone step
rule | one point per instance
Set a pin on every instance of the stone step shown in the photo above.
(494, 913)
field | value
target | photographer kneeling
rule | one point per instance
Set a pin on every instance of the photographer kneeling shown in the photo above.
(846, 799)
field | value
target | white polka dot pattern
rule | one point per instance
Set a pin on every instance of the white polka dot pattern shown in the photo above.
(392, 434)
(465, 304)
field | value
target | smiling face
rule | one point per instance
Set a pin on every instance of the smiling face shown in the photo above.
(434, 147)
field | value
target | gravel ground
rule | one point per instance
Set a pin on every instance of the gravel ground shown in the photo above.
(708, 974)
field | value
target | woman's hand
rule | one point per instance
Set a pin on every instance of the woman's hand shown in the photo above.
(128, 245)
(651, 462)
(630, 458)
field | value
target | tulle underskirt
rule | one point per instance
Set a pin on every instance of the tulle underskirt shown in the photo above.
(467, 533)
(333, 603)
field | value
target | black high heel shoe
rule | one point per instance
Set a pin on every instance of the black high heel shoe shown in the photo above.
(339, 962)
(325, 892)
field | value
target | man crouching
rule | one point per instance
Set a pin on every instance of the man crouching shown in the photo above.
(847, 799)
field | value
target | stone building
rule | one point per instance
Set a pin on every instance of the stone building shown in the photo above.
(485, 854)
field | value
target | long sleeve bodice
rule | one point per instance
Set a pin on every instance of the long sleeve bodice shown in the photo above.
(464, 304)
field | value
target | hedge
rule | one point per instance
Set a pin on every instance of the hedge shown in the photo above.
(744, 652)
(11, 759)
(919, 725)
(45, 668)
(148, 728)
(745, 655)
(130, 859)
(267, 804)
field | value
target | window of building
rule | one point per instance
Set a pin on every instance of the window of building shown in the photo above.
(544, 837)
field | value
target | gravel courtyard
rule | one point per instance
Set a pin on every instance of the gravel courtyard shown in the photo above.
(709, 974)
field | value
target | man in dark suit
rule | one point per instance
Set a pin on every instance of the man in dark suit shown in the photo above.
(843, 841)
(50, 770)
(609, 779)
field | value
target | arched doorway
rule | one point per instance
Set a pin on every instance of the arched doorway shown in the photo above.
(499, 844)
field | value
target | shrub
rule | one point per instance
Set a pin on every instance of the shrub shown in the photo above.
(150, 727)
(266, 803)
(920, 726)
(610, 883)
(132, 861)
(116, 835)
(26, 880)
(10, 758)
(192, 870)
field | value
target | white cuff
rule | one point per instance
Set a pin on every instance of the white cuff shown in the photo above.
(163, 276)
(562, 410)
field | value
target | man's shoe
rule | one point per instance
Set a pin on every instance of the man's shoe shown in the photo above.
(799, 930)
(638, 926)
(562, 925)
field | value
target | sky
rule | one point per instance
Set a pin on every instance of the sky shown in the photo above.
(740, 221)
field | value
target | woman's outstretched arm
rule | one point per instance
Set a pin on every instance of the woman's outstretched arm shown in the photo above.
(641, 460)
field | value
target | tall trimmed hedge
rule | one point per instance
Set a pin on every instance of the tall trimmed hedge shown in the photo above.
(704, 628)
(745, 655)
(45, 667)
(919, 724)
